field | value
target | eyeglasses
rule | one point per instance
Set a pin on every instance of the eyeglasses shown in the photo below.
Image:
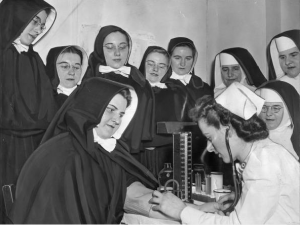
(66, 67)
(152, 64)
(113, 48)
(36, 22)
(274, 108)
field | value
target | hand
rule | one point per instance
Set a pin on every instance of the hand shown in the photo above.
(225, 201)
(167, 203)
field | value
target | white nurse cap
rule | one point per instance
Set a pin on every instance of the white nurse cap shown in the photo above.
(240, 101)
(284, 43)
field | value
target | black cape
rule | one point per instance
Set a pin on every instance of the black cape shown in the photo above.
(142, 126)
(292, 101)
(292, 34)
(71, 179)
(26, 97)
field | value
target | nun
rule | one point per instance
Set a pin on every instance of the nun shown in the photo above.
(236, 65)
(170, 103)
(109, 60)
(26, 97)
(65, 67)
(280, 113)
(284, 58)
(82, 172)
(184, 56)
(269, 173)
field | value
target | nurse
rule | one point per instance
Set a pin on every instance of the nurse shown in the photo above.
(270, 174)
(170, 105)
(284, 58)
(236, 65)
(26, 96)
(280, 113)
(65, 67)
(110, 61)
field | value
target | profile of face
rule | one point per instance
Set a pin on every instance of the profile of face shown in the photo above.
(68, 66)
(182, 60)
(272, 114)
(230, 74)
(215, 139)
(116, 49)
(112, 117)
(34, 28)
(290, 62)
(156, 66)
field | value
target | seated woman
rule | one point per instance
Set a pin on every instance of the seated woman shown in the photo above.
(170, 105)
(236, 65)
(65, 67)
(281, 114)
(110, 61)
(270, 174)
(283, 55)
(82, 173)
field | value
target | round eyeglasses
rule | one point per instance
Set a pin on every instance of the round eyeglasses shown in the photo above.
(274, 108)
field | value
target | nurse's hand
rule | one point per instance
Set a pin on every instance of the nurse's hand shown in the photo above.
(225, 201)
(167, 203)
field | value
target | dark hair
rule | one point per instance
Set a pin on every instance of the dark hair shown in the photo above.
(48, 11)
(186, 45)
(73, 50)
(214, 114)
(161, 51)
(126, 94)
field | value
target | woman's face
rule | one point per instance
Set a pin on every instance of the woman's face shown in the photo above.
(68, 66)
(112, 117)
(182, 60)
(34, 28)
(156, 66)
(215, 139)
(230, 74)
(272, 114)
(116, 49)
(290, 62)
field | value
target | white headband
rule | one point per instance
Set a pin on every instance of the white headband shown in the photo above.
(227, 59)
(284, 43)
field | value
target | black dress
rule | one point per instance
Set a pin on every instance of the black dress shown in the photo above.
(27, 103)
(142, 126)
(72, 179)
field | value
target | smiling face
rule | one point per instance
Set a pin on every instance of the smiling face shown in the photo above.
(156, 66)
(215, 139)
(112, 117)
(68, 66)
(33, 29)
(290, 62)
(182, 60)
(272, 114)
(231, 73)
(116, 50)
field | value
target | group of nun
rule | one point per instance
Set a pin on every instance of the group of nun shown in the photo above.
(78, 136)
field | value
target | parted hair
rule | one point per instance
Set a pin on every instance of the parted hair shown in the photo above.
(74, 50)
(214, 114)
(126, 94)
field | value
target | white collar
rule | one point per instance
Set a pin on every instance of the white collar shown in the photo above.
(158, 84)
(124, 70)
(185, 79)
(19, 46)
(64, 90)
(108, 144)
